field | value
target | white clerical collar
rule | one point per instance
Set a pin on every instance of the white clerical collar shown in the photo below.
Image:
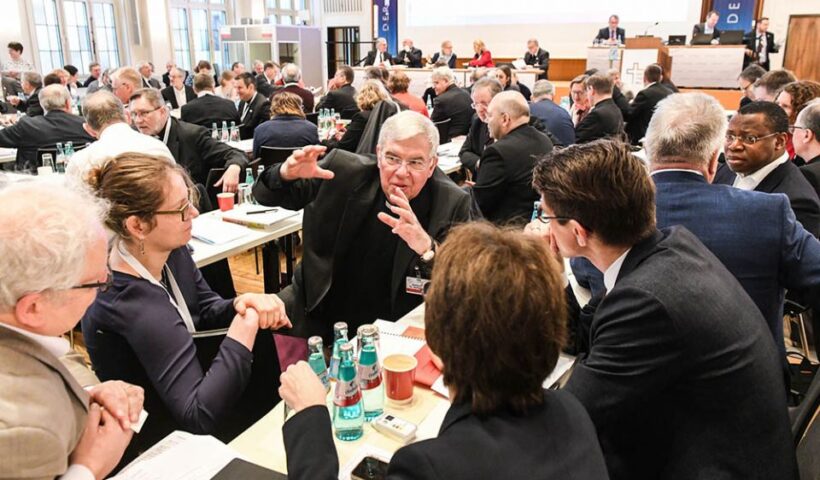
(203, 93)
(612, 272)
(57, 346)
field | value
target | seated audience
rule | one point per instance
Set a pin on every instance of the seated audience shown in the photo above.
(31, 83)
(709, 27)
(53, 78)
(226, 87)
(756, 159)
(106, 121)
(341, 96)
(580, 102)
(746, 81)
(445, 56)
(268, 81)
(146, 70)
(202, 66)
(237, 68)
(503, 185)
(178, 94)
(376, 221)
(94, 72)
(370, 95)
(478, 137)
(292, 78)
(641, 109)
(191, 145)
(409, 55)
(537, 57)
(398, 84)
(124, 82)
(379, 57)
(258, 68)
(555, 119)
(102, 83)
(604, 118)
(512, 428)
(503, 74)
(287, 127)
(58, 125)
(663, 369)
(169, 67)
(482, 57)
(767, 86)
(254, 108)
(73, 80)
(525, 90)
(806, 138)
(207, 108)
(451, 103)
(792, 98)
(140, 329)
(52, 263)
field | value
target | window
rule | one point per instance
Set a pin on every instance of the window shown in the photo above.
(195, 28)
(286, 12)
(75, 32)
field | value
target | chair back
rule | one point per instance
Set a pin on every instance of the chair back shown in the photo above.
(806, 428)
(273, 155)
(312, 118)
(443, 127)
(53, 152)
(214, 175)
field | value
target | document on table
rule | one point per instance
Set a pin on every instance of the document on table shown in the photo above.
(217, 232)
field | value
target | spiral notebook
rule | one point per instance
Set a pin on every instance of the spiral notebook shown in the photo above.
(397, 338)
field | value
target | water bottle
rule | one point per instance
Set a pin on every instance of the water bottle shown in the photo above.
(48, 165)
(536, 206)
(370, 374)
(339, 339)
(69, 151)
(59, 162)
(249, 176)
(226, 135)
(260, 171)
(429, 105)
(316, 360)
(214, 131)
(348, 414)
(234, 132)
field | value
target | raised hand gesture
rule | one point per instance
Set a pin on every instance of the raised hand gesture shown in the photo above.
(304, 163)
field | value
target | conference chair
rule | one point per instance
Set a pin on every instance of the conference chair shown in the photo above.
(312, 118)
(443, 130)
(53, 152)
(806, 432)
(273, 155)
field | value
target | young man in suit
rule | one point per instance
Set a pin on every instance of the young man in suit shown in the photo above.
(380, 56)
(178, 94)
(537, 57)
(254, 108)
(680, 356)
(207, 108)
(341, 95)
(451, 102)
(50, 426)
(503, 187)
(760, 45)
(756, 159)
(640, 111)
(478, 137)
(45, 131)
(612, 33)
(806, 140)
(605, 118)
(409, 55)
(708, 27)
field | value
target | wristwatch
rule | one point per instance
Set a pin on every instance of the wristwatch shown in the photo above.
(427, 256)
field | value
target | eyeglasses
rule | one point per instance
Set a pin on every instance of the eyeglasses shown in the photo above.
(792, 128)
(746, 139)
(182, 211)
(135, 115)
(101, 286)
(416, 164)
(482, 105)
(544, 218)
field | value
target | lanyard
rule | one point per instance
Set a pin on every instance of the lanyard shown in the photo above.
(177, 300)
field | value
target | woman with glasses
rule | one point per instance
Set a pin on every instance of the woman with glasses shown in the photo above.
(793, 98)
(141, 328)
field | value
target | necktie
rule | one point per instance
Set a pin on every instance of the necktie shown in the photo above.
(612, 34)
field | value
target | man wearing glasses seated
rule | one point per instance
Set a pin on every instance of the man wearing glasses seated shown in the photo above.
(370, 225)
(756, 159)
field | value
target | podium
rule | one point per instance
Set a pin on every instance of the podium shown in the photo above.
(638, 54)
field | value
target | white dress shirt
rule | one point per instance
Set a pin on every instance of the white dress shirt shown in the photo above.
(182, 99)
(114, 140)
(761, 47)
(612, 272)
(752, 180)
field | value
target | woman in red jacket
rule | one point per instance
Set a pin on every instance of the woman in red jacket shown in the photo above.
(483, 57)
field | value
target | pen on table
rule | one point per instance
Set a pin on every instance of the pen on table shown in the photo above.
(263, 211)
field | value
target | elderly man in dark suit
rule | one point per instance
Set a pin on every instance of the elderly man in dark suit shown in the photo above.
(291, 75)
(379, 56)
(605, 118)
(503, 187)
(409, 55)
(680, 356)
(537, 57)
(708, 27)
(556, 120)
(370, 223)
(207, 108)
(178, 94)
(612, 33)
(32, 84)
(341, 95)
(756, 159)
(451, 103)
(254, 108)
(640, 111)
(478, 137)
(58, 124)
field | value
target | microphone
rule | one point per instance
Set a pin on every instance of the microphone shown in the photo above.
(650, 28)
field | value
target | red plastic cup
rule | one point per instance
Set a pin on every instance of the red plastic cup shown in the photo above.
(225, 201)
(399, 376)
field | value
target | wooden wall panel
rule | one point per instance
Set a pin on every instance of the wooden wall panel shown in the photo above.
(802, 55)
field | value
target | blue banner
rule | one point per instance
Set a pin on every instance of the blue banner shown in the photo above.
(735, 14)
(386, 23)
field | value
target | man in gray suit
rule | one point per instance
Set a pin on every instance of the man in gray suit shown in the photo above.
(53, 259)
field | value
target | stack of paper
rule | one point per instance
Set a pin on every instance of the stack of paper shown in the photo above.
(257, 216)
(214, 232)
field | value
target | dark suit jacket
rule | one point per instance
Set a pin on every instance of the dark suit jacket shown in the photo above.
(620, 100)
(284, 131)
(556, 120)
(455, 104)
(641, 110)
(43, 131)
(751, 43)
(258, 111)
(304, 93)
(785, 179)
(603, 34)
(701, 28)
(503, 188)
(552, 441)
(682, 379)
(781, 256)
(151, 83)
(207, 109)
(604, 120)
(32, 105)
(370, 59)
(166, 78)
(353, 133)
(193, 148)
(811, 171)
(334, 211)
(541, 61)
(477, 139)
(411, 58)
(451, 63)
(342, 100)
(88, 81)
(168, 95)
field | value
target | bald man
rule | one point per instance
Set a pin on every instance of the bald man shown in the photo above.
(503, 188)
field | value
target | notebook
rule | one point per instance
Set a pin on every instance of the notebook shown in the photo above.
(257, 216)
(214, 232)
